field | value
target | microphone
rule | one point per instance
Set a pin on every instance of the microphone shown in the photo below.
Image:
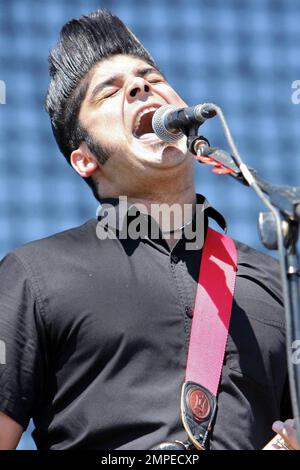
(170, 123)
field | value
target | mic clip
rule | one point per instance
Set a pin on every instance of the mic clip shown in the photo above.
(223, 161)
(195, 142)
(199, 146)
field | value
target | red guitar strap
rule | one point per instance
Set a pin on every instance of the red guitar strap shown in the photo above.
(209, 334)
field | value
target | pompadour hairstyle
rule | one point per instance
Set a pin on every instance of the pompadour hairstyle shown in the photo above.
(83, 43)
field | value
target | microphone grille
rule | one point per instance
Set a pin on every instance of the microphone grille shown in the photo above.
(159, 127)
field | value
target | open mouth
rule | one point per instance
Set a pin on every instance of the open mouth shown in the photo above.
(142, 128)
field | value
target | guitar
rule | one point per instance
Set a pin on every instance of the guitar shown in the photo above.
(277, 443)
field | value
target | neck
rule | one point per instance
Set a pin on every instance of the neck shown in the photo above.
(171, 209)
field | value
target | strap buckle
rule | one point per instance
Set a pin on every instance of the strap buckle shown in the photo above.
(198, 409)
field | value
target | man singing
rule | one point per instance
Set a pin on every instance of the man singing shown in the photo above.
(97, 329)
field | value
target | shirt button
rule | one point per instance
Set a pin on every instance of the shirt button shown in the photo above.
(175, 259)
(189, 312)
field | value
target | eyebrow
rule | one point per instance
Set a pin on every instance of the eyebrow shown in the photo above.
(118, 76)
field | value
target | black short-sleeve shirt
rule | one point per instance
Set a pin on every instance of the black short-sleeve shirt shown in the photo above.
(96, 335)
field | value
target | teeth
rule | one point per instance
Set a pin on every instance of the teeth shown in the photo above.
(141, 114)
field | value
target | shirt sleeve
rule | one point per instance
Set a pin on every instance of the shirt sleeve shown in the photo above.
(21, 359)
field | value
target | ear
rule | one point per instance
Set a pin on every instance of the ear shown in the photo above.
(83, 162)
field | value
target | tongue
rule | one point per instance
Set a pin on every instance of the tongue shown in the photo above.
(145, 127)
(148, 136)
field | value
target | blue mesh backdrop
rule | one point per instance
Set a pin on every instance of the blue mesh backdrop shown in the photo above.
(242, 55)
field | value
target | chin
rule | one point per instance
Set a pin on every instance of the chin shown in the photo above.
(163, 154)
(168, 157)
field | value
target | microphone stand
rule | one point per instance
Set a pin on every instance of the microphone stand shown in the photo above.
(279, 229)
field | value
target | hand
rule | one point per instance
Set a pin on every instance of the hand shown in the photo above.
(288, 432)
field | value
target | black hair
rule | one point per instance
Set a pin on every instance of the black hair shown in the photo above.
(83, 42)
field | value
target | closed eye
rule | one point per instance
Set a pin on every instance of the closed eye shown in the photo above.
(110, 93)
(155, 79)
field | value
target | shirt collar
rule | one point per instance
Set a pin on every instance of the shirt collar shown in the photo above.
(212, 213)
(115, 210)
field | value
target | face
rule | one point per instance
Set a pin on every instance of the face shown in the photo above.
(122, 96)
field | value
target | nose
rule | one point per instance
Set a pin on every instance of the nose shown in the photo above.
(137, 88)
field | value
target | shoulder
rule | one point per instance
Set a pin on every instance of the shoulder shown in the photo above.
(247, 254)
(256, 342)
(55, 245)
(51, 255)
(259, 285)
